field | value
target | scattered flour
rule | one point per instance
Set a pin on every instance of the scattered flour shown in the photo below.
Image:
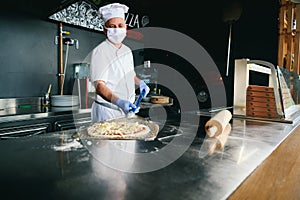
(74, 144)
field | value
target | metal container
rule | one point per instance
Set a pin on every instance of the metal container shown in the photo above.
(64, 100)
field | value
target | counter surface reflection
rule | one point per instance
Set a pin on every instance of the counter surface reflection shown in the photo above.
(59, 165)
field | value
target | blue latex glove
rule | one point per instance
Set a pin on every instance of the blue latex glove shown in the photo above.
(144, 86)
(125, 105)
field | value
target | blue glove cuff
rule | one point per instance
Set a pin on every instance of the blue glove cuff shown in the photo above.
(144, 86)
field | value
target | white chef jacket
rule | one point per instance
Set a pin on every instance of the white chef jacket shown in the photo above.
(116, 68)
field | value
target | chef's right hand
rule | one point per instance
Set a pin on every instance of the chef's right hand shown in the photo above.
(125, 105)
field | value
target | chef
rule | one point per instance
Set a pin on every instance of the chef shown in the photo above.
(112, 68)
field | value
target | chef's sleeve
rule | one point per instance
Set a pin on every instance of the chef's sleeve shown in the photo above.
(99, 66)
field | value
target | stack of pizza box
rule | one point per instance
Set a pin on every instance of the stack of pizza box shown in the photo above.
(260, 102)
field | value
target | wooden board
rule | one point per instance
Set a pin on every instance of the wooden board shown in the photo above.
(262, 109)
(260, 88)
(260, 102)
(278, 176)
(262, 114)
(260, 94)
(160, 99)
(251, 104)
(261, 99)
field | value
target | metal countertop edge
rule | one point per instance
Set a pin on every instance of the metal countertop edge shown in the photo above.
(10, 118)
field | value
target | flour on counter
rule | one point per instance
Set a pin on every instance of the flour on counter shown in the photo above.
(74, 144)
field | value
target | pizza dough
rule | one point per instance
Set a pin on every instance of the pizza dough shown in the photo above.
(122, 128)
(118, 130)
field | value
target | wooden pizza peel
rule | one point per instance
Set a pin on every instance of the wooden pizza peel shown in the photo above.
(118, 152)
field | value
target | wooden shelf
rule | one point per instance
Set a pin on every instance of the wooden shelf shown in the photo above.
(289, 36)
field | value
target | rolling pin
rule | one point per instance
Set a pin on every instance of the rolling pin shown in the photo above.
(216, 125)
(219, 141)
(211, 144)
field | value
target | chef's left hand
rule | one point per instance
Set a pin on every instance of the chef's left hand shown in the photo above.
(144, 86)
(125, 105)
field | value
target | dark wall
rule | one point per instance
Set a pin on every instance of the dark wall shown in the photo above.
(29, 57)
(254, 32)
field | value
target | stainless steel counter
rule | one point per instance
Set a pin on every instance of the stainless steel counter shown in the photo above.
(36, 119)
(58, 166)
(14, 109)
(15, 113)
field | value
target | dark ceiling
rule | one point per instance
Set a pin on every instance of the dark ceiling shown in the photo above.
(162, 12)
(205, 21)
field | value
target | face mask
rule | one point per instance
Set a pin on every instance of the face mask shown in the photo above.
(116, 35)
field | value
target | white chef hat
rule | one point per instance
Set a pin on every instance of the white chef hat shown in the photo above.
(112, 10)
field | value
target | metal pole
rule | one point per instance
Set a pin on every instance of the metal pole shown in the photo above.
(64, 71)
(61, 78)
(228, 51)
